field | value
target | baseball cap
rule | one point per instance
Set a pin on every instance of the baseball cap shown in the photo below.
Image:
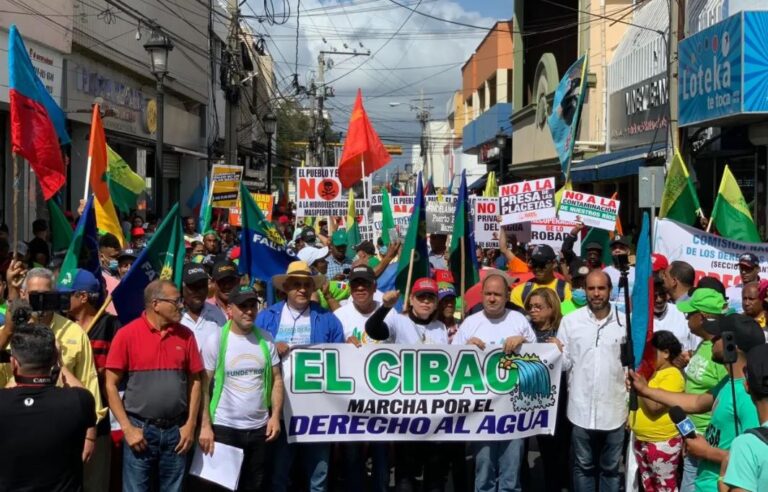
(594, 245)
(308, 236)
(138, 232)
(224, 269)
(339, 238)
(283, 219)
(746, 332)
(446, 291)
(128, 253)
(311, 255)
(81, 281)
(542, 253)
(242, 294)
(193, 272)
(620, 241)
(749, 260)
(578, 269)
(659, 262)
(757, 370)
(366, 247)
(424, 285)
(707, 301)
(362, 272)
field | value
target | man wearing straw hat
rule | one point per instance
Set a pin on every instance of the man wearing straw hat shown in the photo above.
(298, 321)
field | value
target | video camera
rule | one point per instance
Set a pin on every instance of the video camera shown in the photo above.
(621, 262)
(49, 301)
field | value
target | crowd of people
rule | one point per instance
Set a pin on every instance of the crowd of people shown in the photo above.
(90, 404)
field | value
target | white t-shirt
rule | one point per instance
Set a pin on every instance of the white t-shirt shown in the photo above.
(674, 321)
(494, 331)
(403, 330)
(210, 321)
(353, 322)
(242, 402)
(617, 295)
(295, 327)
(733, 294)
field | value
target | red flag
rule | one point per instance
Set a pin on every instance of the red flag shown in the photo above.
(362, 145)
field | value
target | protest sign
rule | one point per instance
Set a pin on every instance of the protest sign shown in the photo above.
(338, 392)
(553, 232)
(318, 193)
(263, 200)
(591, 210)
(440, 211)
(485, 213)
(710, 255)
(402, 208)
(527, 201)
(225, 187)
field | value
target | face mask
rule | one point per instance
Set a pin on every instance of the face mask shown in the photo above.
(579, 296)
(112, 265)
(383, 250)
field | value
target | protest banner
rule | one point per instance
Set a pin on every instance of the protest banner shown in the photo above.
(263, 200)
(710, 255)
(382, 392)
(225, 185)
(485, 213)
(553, 232)
(318, 193)
(527, 201)
(591, 210)
(402, 208)
(440, 213)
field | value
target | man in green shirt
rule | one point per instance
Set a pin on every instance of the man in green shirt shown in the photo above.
(748, 463)
(712, 449)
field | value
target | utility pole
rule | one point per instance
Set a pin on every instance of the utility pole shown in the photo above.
(423, 114)
(673, 64)
(231, 84)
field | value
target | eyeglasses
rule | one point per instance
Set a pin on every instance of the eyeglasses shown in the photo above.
(301, 285)
(538, 307)
(426, 298)
(179, 301)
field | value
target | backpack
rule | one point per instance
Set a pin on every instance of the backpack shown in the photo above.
(760, 432)
(559, 289)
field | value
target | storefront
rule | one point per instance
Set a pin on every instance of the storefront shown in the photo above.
(723, 108)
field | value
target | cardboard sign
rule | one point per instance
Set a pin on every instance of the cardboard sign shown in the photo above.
(591, 210)
(553, 232)
(527, 201)
(318, 193)
(225, 185)
(485, 218)
(263, 200)
(440, 213)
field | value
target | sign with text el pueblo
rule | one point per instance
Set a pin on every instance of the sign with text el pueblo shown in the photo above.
(439, 212)
(486, 212)
(225, 185)
(318, 192)
(591, 210)
(527, 201)
(381, 392)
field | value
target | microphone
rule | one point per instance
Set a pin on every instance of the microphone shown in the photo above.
(684, 425)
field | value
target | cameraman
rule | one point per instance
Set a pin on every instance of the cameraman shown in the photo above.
(75, 347)
(44, 425)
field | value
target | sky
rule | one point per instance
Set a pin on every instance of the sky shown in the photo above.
(425, 54)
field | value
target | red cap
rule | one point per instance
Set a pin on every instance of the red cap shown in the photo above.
(283, 219)
(137, 231)
(659, 262)
(234, 253)
(424, 286)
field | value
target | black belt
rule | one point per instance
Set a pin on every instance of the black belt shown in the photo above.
(161, 423)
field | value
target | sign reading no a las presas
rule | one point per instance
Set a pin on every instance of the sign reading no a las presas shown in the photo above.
(527, 201)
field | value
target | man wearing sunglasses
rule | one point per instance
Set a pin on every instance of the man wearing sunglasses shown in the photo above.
(542, 263)
(733, 411)
(299, 321)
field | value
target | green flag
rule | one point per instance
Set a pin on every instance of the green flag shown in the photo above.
(679, 201)
(414, 256)
(353, 229)
(125, 186)
(601, 237)
(463, 258)
(61, 230)
(731, 214)
(387, 218)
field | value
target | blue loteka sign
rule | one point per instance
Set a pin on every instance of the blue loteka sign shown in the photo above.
(724, 70)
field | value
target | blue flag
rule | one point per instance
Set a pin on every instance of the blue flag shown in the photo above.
(463, 256)
(262, 248)
(162, 258)
(566, 112)
(83, 251)
(641, 292)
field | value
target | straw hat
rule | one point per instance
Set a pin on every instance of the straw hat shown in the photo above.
(297, 269)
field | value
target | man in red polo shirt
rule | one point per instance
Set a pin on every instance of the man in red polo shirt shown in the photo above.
(162, 397)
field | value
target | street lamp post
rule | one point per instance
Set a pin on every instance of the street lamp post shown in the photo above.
(501, 142)
(158, 47)
(270, 127)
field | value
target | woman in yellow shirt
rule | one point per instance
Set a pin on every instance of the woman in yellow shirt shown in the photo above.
(657, 443)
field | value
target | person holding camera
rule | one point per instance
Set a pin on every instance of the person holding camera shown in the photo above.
(733, 412)
(43, 427)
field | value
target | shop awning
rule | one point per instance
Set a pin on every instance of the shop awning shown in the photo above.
(615, 164)
(479, 183)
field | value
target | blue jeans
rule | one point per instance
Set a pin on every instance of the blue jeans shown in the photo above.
(596, 454)
(690, 470)
(497, 465)
(314, 458)
(158, 460)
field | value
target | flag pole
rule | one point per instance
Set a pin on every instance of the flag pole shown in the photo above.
(16, 166)
(408, 281)
(88, 164)
(463, 274)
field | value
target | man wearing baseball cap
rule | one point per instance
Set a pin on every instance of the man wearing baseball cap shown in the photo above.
(578, 271)
(245, 406)
(620, 245)
(124, 261)
(712, 448)
(337, 261)
(542, 263)
(202, 317)
(226, 278)
(594, 256)
(749, 271)
(748, 461)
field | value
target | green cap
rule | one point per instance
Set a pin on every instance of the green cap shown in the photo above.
(339, 238)
(707, 301)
